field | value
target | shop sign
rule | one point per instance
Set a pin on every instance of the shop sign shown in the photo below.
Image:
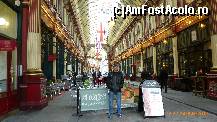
(52, 57)
(7, 45)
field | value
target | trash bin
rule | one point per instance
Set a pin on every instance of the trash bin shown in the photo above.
(152, 99)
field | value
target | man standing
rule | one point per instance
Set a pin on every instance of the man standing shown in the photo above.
(144, 76)
(114, 83)
(163, 77)
(94, 77)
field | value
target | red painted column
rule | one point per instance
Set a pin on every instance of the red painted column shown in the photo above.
(34, 83)
(24, 36)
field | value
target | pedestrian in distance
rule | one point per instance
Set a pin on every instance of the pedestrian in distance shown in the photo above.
(144, 76)
(115, 81)
(163, 77)
(94, 77)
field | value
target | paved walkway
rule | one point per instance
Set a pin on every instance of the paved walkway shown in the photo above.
(63, 109)
(190, 99)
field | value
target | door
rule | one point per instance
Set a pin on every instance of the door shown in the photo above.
(8, 81)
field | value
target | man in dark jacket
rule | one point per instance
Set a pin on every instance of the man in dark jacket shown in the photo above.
(163, 77)
(145, 75)
(115, 81)
(94, 77)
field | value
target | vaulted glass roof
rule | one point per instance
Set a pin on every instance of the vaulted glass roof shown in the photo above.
(92, 13)
(95, 20)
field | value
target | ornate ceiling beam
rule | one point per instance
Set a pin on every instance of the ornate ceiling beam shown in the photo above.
(49, 16)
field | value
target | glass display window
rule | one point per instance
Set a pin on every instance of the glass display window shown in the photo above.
(14, 70)
(3, 73)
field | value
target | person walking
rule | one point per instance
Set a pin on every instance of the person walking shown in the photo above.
(114, 82)
(144, 76)
(163, 77)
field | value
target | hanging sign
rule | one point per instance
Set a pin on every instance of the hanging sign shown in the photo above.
(52, 57)
(7, 45)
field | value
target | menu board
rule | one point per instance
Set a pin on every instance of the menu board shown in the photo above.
(153, 105)
(93, 99)
(3, 72)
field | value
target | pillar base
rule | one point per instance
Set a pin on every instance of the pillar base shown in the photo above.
(33, 91)
(212, 84)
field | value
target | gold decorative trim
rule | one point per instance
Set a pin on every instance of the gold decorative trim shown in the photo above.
(34, 72)
(3, 95)
(51, 21)
(213, 69)
(166, 32)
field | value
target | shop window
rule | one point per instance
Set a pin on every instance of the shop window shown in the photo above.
(3, 73)
(203, 31)
(194, 49)
(184, 39)
(183, 64)
(165, 55)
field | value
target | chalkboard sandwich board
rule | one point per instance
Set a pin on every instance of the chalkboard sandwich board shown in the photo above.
(93, 99)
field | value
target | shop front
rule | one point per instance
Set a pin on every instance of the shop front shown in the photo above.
(48, 57)
(8, 59)
(194, 52)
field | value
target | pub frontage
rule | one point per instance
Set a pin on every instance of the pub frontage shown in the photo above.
(49, 48)
(9, 57)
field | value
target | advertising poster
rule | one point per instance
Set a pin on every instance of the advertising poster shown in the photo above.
(130, 94)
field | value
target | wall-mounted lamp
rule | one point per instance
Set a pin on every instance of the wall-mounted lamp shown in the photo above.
(3, 22)
(165, 41)
(202, 25)
(17, 2)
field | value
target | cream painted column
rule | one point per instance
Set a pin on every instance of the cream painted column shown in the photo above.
(133, 64)
(175, 56)
(153, 23)
(214, 51)
(141, 61)
(213, 29)
(154, 60)
(65, 64)
(34, 38)
(54, 62)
